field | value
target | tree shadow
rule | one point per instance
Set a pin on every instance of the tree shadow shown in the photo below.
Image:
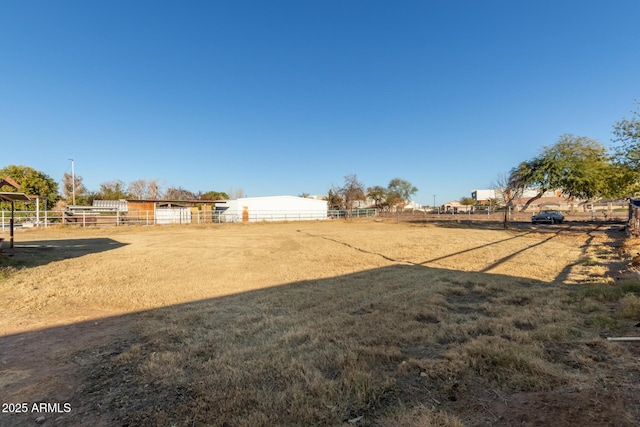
(80, 364)
(95, 365)
(613, 227)
(41, 252)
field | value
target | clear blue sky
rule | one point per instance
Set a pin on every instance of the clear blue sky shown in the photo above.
(286, 97)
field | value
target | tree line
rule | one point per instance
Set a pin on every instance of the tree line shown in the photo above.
(396, 195)
(73, 191)
(34, 182)
(141, 189)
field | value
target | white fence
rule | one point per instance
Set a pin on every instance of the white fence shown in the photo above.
(173, 216)
(29, 219)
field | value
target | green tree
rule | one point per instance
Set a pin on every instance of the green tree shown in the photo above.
(467, 201)
(622, 180)
(576, 165)
(399, 192)
(626, 174)
(32, 183)
(112, 190)
(214, 195)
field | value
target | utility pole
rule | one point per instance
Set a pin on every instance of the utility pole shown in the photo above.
(73, 184)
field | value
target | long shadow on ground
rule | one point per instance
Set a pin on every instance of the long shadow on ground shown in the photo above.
(348, 349)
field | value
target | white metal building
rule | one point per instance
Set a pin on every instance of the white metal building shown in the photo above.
(273, 208)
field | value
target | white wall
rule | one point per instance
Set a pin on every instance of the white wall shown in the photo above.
(275, 208)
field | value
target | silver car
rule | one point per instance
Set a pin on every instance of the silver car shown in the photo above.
(552, 217)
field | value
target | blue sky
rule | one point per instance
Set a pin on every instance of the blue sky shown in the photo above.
(288, 97)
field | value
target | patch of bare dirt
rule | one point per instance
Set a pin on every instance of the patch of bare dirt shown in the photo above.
(589, 408)
(49, 366)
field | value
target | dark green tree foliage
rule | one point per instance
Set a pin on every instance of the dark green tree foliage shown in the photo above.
(576, 165)
(214, 195)
(32, 183)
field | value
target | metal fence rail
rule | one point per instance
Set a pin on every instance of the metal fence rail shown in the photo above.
(113, 218)
(29, 219)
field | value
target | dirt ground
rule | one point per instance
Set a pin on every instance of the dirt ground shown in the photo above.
(68, 292)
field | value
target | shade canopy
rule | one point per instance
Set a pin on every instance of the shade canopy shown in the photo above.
(14, 197)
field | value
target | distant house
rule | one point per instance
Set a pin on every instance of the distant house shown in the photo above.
(455, 206)
(411, 205)
(549, 202)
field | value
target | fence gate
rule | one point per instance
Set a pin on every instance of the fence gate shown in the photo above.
(173, 215)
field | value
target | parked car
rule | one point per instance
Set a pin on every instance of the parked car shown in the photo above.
(552, 217)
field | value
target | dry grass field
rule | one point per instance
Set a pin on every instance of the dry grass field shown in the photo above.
(362, 323)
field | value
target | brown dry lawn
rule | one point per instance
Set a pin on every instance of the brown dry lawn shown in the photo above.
(319, 323)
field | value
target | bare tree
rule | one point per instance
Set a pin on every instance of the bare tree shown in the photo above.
(144, 189)
(179, 193)
(506, 192)
(137, 189)
(153, 188)
(236, 194)
(352, 191)
(72, 184)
